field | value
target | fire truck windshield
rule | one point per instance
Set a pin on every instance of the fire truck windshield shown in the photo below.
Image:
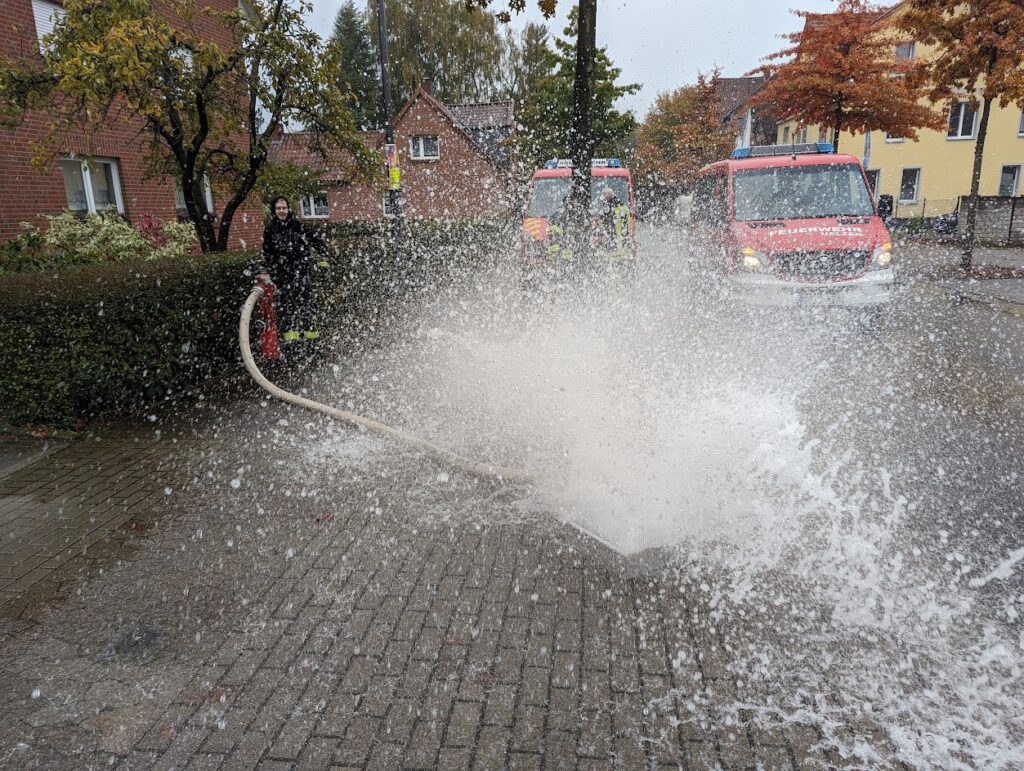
(549, 193)
(800, 192)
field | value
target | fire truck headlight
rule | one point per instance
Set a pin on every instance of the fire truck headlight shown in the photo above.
(750, 259)
(882, 256)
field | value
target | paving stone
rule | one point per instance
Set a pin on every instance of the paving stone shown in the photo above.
(492, 747)
(462, 724)
(317, 754)
(456, 759)
(522, 761)
(774, 758)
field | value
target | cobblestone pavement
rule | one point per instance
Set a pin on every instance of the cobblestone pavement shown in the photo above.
(280, 613)
(66, 507)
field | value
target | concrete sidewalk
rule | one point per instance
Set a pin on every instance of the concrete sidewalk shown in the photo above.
(364, 613)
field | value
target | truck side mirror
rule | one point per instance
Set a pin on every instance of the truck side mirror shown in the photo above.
(885, 206)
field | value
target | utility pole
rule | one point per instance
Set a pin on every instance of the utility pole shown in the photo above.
(582, 120)
(393, 207)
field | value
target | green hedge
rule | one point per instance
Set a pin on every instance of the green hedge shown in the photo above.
(111, 337)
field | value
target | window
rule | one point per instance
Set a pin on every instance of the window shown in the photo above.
(800, 136)
(891, 138)
(903, 52)
(424, 148)
(873, 177)
(92, 185)
(909, 183)
(785, 135)
(46, 15)
(709, 201)
(315, 205)
(800, 192)
(1009, 180)
(179, 197)
(961, 121)
(1020, 127)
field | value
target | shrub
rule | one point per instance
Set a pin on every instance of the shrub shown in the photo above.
(112, 337)
(117, 336)
(69, 239)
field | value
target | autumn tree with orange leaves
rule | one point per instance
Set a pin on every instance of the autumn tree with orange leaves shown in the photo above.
(980, 56)
(840, 72)
(682, 133)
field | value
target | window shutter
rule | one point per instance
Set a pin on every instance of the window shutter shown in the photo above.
(46, 15)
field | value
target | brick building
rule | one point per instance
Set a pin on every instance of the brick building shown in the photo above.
(456, 163)
(114, 177)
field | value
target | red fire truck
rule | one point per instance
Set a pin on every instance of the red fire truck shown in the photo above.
(611, 192)
(792, 225)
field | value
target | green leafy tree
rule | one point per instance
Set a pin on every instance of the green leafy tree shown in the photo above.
(981, 55)
(457, 47)
(205, 109)
(358, 64)
(547, 112)
(682, 133)
(524, 61)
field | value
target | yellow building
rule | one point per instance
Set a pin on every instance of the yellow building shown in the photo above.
(927, 176)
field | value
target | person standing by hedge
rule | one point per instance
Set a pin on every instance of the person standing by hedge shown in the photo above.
(291, 253)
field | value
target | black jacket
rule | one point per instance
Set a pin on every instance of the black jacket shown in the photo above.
(291, 249)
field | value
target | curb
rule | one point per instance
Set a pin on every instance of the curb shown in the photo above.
(49, 447)
(963, 294)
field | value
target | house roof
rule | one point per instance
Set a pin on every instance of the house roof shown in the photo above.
(484, 115)
(487, 125)
(733, 93)
(294, 147)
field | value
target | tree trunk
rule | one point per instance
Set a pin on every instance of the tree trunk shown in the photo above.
(202, 220)
(582, 128)
(967, 255)
(835, 129)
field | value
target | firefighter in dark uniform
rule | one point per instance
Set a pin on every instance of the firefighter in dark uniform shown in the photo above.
(613, 225)
(292, 252)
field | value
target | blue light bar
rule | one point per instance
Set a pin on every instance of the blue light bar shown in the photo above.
(765, 151)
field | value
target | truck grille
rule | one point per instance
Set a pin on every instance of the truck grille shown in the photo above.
(819, 264)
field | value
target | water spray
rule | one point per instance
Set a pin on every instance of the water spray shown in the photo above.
(483, 470)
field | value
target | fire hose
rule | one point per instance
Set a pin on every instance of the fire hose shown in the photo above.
(485, 470)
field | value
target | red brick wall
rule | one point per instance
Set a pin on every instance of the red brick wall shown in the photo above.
(461, 183)
(30, 194)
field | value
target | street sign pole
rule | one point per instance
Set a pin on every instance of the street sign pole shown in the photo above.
(393, 206)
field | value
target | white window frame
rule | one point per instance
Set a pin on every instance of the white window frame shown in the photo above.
(960, 136)
(917, 186)
(785, 135)
(115, 178)
(890, 139)
(878, 182)
(46, 14)
(179, 196)
(421, 156)
(1020, 126)
(1016, 179)
(800, 136)
(909, 56)
(309, 202)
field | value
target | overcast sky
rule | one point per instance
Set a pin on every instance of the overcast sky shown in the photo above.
(662, 44)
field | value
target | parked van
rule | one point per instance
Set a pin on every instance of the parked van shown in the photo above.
(792, 225)
(612, 204)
